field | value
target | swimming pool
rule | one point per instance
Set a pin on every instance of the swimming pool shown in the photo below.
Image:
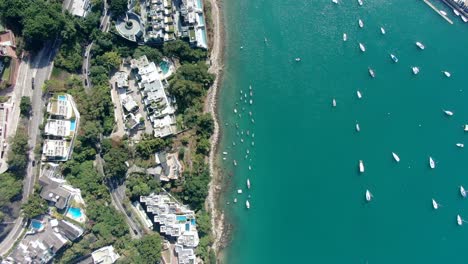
(200, 5)
(181, 218)
(75, 212)
(164, 65)
(72, 125)
(62, 97)
(193, 222)
(187, 227)
(36, 224)
(201, 20)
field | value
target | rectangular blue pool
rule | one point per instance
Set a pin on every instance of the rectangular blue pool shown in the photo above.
(72, 125)
(74, 212)
(181, 218)
(62, 97)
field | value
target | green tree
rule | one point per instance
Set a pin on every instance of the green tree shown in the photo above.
(25, 106)
(115, 162)
(205, 124)
(18, 155)
(10, 187)
(149, 249)
(186, 92)
(111, 60)
(196, 72)
(181, 50)
(151, 53)
(118, 7)
(203, 146)
(34, 206)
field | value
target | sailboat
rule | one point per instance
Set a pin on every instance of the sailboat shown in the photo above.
(361, 46)
(361, 24)
(368, 196)
(447, 74)
(431, 163)
(394, 58)
(420, 45)
(361, 166)
(459, 220)
(447, 112)
(248, 184)
(247, 204)
(460, 145)
(359, 95)
(395, 156)
(435, 205)
(382, 30)
(357, 127)
(345, 37)
(415, 70)
(334, 102)
(371, 72)
(462, 191)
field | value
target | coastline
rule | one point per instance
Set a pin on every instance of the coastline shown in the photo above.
(216, 68)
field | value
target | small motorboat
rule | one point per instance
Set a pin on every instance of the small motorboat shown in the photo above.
(394, 58)
(247, 204)
(447, 74)
(447, 112)
(462, 191)
(359, 95)
(345, 37)
(368, 196)
(443, 12)
(239, 191)
(460, 145)
(371, 73)
(248, 184)
(464, 19)
(395, 156)
(361, 24)
(459, 220)
(297, 59)
(225, 153)
(415, 70)
(361, 166)
(431, 163)
(334, 102)
(358, 128)
(382, 30)
(335, 1)
(456, 12)
(235, 200)
(235, 162)
(360, 2)
(435, 205)
(362, 47)
(420, 45)
(466, 128)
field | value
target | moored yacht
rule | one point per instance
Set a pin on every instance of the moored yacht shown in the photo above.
(464, 19)
(361, 24)
(435, 205)
(443, 12)
(459, 220)
(447, 74)
(297, 59)
(382, 30)
(462, 191)
(359, 95)
(362, 47)
(345, 37)
(371, 73)
(466, 128)
(361, 166)
(460, 145)
(395, 156)
(368, 196)
(394, 58)
(248, 184)
(358, 128)
(334, 102)
(420, 45)
(447, 112)
(456, 12)
(415, 70)
(360, 2)
(247, 204)
(431, 163)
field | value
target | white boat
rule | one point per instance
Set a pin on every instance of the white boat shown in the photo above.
(368, 196)
(248, 184)
(382, 30)
(361, 46)
(466, 128)
(443, 12)
(235, 200)
(371, 73)
(431, 163)
(462, 191)
(415, 70)
(334, 102)
(420, 45)
(360, 2)
(447, 74)
(358, 128)
(297, 59)
(247, 204)
(394, 58)
(361, 166)
(359, 95)
(345, 37)
(225, 153)
(395, 156)
(361, 24)
(447, 112)
(456, 12)
(235, 162)
(239, 191)
(459, 220)
(460, 145)
(435, 205)
(464, 19)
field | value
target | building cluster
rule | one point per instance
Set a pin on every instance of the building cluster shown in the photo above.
(45, 237)
(104, 255)
(167, 167)
(8, 59)
(158, 105)
(462, 3)
(165, 20)
(175, 221)
(60, 129)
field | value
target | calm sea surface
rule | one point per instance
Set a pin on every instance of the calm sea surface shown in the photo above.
(307, 197)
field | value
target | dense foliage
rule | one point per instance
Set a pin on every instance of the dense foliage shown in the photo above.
(34, 206)
(141, 184)
(18, 154)
(118, 7)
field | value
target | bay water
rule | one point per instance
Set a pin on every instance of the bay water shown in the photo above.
(307, 197)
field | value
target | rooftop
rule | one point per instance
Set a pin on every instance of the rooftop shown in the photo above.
(105, 255)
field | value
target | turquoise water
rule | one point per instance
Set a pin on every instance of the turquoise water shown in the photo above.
(305, 158)
(75, 212)
(164, 65)
(201, 20)
(36, 224)
(72, 125)
(62, 97)
(181, 218)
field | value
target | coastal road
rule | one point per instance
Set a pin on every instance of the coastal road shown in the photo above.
(40, 69)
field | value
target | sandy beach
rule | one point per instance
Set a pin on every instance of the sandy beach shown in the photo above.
(216, 67)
